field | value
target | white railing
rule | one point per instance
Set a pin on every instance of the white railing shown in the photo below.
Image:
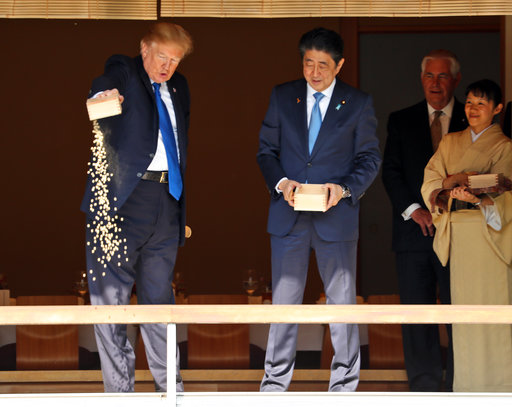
(254, 314)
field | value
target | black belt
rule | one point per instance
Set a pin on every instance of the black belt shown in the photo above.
(156, 176)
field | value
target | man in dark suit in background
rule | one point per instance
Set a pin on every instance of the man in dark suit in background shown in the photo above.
(413, 136)
(317, 130)
(141, 201)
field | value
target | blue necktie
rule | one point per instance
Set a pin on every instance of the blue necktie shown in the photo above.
(175, 182)
(315, 121)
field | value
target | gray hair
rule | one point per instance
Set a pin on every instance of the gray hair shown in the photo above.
(442, 54)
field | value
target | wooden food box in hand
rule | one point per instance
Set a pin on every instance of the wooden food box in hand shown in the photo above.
(488, 183)
(101, 107)
(311, 197)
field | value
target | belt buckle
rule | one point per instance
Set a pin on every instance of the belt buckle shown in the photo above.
(163, 177)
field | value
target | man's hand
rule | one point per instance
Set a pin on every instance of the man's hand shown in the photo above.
(110, 92)
(287, 187)
(335, 194)
(423, 218)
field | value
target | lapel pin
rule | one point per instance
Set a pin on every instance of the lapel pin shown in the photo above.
(298, 100)
(339, 105)
(174, 90)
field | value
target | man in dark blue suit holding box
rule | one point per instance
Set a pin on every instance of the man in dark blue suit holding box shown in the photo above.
(317, 130)
(135, 198)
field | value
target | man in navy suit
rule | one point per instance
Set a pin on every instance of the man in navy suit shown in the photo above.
(344, 156)
(409, 146)
(146, 153)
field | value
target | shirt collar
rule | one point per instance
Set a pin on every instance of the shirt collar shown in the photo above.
(326, 92)
(163, 85)
(447, 110)
(475, 136)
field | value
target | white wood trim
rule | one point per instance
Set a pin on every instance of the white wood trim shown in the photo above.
(255, 314)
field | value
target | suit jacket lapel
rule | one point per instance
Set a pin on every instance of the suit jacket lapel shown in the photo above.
(424, 137)
(300, 111)
(458, 117)
(144, 77)
(151, 93)
(334, 113)
(180, 125)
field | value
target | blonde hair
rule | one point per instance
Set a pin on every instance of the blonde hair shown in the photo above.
(168, 33)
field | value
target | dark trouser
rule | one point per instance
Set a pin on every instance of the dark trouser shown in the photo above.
(420, 274)
(150, 225)
(337, 267)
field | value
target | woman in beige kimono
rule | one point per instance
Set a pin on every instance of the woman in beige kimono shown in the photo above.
(474, 232)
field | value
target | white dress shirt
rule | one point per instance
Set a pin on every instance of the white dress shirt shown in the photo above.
(445, 117)
(310, 101)
(324, 102)
(159, 162)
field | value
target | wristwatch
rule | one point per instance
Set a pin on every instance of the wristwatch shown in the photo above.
(345, 191)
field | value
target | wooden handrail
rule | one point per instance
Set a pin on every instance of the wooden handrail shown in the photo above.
(189, 375)
(256, 314)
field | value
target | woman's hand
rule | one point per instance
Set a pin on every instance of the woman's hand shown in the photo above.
(461, 194)
(456, 180)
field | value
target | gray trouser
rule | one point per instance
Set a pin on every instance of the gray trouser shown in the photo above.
(337, 267)
(151, 227)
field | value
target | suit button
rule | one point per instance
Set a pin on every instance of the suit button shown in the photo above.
(139, 174)
(309, 165)
(151, 155)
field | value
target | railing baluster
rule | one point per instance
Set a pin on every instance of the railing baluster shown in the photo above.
(171, 364)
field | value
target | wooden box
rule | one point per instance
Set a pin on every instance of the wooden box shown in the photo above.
(101, 107)
(311, 197)
(483, 181)
(488, 183)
